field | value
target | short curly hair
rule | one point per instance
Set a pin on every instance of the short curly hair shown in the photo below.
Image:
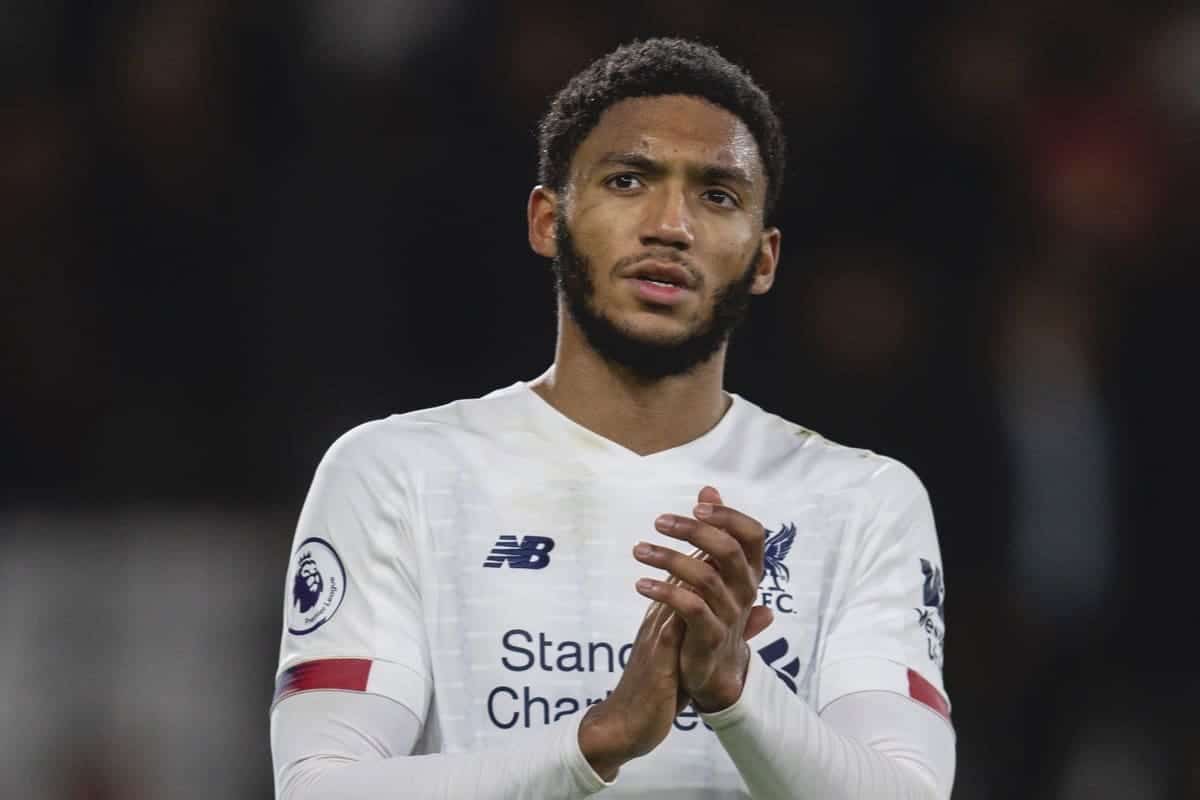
(653, 68)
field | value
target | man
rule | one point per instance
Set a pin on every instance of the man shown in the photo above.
(482, 628)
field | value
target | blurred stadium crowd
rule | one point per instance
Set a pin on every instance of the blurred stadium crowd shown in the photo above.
(231, 231)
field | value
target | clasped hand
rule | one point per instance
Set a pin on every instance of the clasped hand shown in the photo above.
(692, 642)
(714, 592)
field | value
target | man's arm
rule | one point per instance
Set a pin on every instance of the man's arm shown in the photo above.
(352, 746)
(782, 748)
(872, 744)
(355, 680)
(356, 747)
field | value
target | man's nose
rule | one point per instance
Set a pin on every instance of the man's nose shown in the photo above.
(668, 220)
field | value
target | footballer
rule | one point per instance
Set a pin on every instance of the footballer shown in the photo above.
(619, 578)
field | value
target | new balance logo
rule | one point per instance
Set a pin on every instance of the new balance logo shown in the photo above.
(531, 552)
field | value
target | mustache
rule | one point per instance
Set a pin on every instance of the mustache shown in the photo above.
(665, 254)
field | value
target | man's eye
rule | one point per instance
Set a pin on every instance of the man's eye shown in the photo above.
(721, 198)
(624, 181)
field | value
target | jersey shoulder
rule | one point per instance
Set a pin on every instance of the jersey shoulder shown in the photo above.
(823, 464)
(423, 433)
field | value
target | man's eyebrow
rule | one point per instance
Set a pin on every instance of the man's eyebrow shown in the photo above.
(635, 160)
(720, 173)
(705, 173)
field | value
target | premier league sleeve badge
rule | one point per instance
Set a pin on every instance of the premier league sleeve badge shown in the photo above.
(317, 586)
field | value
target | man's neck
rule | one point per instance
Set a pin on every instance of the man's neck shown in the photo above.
(643, 416)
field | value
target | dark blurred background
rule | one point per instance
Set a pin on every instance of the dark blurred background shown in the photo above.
(229, 231)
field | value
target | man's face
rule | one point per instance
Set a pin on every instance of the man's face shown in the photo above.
(659, 238)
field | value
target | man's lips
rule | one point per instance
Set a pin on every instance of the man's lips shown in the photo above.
(657, 292)
(662, 272)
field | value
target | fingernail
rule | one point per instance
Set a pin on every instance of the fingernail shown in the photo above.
(664, 522)
(642, 549)
(703, 510)
(645, 585)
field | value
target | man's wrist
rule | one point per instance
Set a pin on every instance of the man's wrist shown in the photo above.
(601, 745)
(725, 696)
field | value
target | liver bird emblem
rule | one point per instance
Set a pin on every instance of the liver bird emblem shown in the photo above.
(776, 549)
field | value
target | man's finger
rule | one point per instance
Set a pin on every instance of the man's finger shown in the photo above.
(760, 619)
(727, 554)
(699, 618)
(696, 553)
(660, 626)
(670, 634)
(698, 574)
(655, 614)
(747, 530)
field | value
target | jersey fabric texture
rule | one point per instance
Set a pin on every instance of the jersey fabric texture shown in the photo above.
(473, 563)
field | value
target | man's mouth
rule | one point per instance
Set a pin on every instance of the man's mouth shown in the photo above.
(662, 273)
(659, 292)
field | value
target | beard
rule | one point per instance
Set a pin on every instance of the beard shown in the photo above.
(646, 358)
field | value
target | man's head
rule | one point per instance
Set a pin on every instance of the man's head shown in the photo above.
(659, 165)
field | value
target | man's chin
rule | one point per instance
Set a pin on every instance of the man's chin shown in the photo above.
(647, 353)
(663, 338)
(654, 326)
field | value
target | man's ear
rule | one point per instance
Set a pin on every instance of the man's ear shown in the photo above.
(542, 215)
(768, 261)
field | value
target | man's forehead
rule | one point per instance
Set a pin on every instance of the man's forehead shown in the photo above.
(672, 126)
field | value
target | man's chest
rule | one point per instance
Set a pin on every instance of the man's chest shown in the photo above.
(528, 587)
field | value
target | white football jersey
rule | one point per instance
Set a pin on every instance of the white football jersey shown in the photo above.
(474, 563)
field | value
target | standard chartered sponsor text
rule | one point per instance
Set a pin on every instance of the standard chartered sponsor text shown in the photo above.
(527, 706)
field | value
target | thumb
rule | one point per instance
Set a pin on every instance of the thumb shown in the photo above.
(670, 635)
(759, 620)
(710, 495)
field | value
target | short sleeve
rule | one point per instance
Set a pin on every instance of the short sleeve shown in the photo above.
(889, 634)
(352, 603)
